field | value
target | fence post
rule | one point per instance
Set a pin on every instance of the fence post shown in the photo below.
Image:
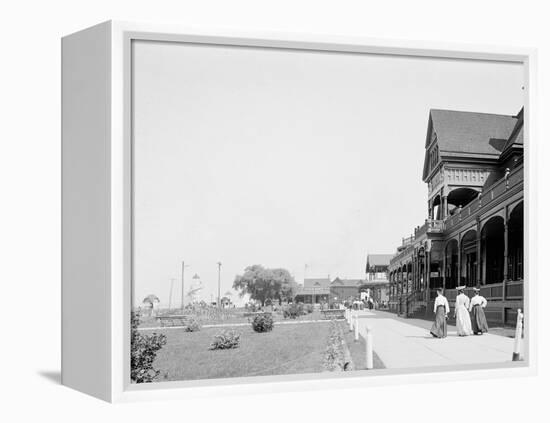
(368, 345)
(356, 325)
(351, 320)
(516, 356)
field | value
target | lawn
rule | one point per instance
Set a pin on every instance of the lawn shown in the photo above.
(288, 349)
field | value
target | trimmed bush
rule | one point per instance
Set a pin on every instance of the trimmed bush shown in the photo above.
(226, 340)
(262, 323)
(192, 325)
(309, 308)
(293, 311)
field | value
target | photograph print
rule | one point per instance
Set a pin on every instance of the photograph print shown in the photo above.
(315, 212)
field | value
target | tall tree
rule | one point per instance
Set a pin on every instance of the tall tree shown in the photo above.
(263, 284)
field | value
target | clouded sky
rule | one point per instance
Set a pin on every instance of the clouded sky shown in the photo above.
(286, 158)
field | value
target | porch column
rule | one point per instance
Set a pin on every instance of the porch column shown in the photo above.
(478, 254)
(409, 277)
(416, 277)
(459, 276)
(445, 209)
(505, 273)
(418, 285)
(444, 267)
(414, 273)
(428, 284)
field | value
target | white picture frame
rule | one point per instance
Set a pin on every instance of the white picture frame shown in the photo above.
(97, 215)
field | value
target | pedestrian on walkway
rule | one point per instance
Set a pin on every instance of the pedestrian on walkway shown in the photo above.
(462, 314)
(479, 321)
(441, 310)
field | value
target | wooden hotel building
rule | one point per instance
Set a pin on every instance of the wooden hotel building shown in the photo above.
(473, 235)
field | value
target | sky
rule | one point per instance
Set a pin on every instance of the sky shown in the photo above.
(285, 158)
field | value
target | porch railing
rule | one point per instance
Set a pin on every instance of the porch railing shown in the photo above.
(491, 193)
(513, 290)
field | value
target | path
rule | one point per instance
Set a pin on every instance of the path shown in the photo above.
(402, 345)
(231, 325)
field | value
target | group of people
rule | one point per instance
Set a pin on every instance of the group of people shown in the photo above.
(468, 312)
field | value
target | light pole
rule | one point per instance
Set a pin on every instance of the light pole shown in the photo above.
(219, 279)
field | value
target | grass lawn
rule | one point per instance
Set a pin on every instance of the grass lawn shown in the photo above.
(288, 349)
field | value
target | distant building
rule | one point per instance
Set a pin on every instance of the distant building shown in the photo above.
(376, 284)
(376, 277)
(345, 289)
(473, 235)
(313, 291)
(316, 290)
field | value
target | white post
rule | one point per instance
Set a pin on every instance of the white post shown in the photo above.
(516, 356)
(356, 325)
(351, 320)
(368, 344)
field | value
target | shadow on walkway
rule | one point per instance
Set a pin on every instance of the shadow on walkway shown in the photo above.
(53, 376)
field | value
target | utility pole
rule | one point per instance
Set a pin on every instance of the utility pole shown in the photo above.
(170, 298)
(219, 279)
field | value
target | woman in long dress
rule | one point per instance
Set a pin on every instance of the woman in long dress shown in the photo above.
(441, 310)
(479, 321)
(462, 314)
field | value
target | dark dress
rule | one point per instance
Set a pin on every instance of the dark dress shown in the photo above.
(439, 328)
(479, 322)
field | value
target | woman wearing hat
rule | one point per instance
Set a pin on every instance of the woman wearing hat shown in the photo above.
(479, 322)
(462, 314)
(441, 310)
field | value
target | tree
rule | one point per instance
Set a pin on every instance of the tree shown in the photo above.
(151, 299)
(262, 283)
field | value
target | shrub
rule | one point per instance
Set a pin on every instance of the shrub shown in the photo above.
(262, 323)
(144, 350)
(335, 356)
(192, 325)
(226, 340)
(309, 308)
(293, 311)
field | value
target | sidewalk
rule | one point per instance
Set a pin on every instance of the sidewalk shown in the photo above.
(402, 345)
(232, 325)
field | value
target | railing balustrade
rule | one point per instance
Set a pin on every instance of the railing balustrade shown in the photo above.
(493, 192)
(514, 291)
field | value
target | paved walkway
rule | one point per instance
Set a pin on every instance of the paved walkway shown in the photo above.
(231, 325)
(402, 345)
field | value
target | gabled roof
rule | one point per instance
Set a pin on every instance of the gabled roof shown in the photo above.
(470, 132)
(516, 138)
(316, 282)
(378, 259)
(346, 282)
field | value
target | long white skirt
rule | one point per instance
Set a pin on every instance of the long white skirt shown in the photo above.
(463, 322)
